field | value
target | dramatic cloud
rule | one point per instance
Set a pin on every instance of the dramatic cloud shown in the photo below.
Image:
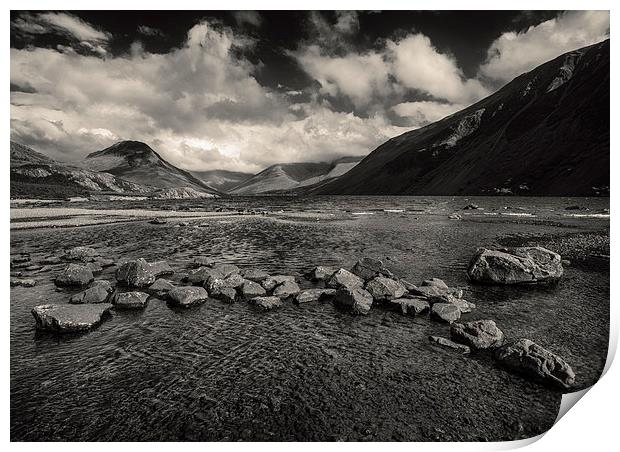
(514, 53)
(421, 113)
(149, 31)
(248, 17)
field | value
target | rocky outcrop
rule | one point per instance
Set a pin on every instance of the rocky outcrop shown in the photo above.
(74, 275)
(70, 318)
(385, 289)
(355, 299)
(310, 295)
(368, 268)
(286, 289)
(445, 312)
(344, 278)
(98, 292)
(449, 344)
(530, 359)
(266, 303)
(130, 300)
(523, 265)
(185, 297)
(410, 306)
(136, 273)
(479, 334)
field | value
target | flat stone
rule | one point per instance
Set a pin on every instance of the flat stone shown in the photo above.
(356, 299)
(23, 282)
(385, 289)
(344, 278)
(70, 318)
(449, 344)
(74, 275)
(479, 334)
(530, 359)
(135, 273)
(310, 295)
(410, 306)
(98, 292)
(266, 303)
(250, 289)
(522, 265)
(255, 274)
(160, 288)
(161, 268)
(321, 273)
(130, 300)
(368, 268)
(445, 312)
(435, 294)
(187, 296)
(286, 289)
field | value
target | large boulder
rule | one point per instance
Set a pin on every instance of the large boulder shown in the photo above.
(524, 265)
(479, 334)
(529, 358)
(81, 253)
(368, 268)
(286, 289)
(344, 278)
(160, 288)
(185, 297)
(410, 306)
(321, 273)
(356, 299)
(385, 289)
(135, 273)
(310, 295)
(161, 268)
(70, 318)
(445, 312)
(74, 275)
(250, 289)
(266, 303)
(98, 292)
(130, 300)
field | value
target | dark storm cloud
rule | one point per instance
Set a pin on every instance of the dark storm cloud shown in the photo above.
(242, 90)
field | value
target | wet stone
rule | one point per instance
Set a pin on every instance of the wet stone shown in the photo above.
(130, 300)
(266, 303)
(344, 278)
(410, 306)
(135, 273)
(355, 299)
(479, 334)
(225, 294)
(160, 288)
(449, 344)
(254, 274)
(445, 312)
(286, 289)
(385, 289)
(203, 261)
(161, 268)
(203, 275)
(368, 268)
(98, 292)
(187, 296)
(250, 289)
(311, 295)
(23, 282)
(70, 318)
(74, 275)
(271, 282)
(81, 253)
(321, 273)
(227, 269)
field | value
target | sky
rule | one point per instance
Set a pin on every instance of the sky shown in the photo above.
(242, 90)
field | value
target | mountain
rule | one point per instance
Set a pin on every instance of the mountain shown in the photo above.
(287, 177)
(544, 133)
(137, 162)
(221, 180)
(35, 175)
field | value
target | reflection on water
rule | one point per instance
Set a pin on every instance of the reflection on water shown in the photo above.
(228, 372)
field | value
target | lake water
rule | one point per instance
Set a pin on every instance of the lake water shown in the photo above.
(229, 372)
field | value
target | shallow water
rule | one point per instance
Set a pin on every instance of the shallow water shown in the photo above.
(228, 372)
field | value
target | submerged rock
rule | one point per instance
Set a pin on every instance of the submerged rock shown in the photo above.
(385, 289)
(160, 288)
(271, 282)
(81, 253)
(445, 312)
(410, 306)
(356, 299)
(158, 221)
(203, 275)
(368, 268)
(471, 207)
(98, 292)
(135, 273)
(187, 296)
(74, 275)
(203, 261)
(449, 344)
(130, 300)
(286, 289)
(266, 303)
(310, 295)
(344, 278)
(161, 268)
(70, 318)
(529, 358)
(479, 334)
(523, 265)
(51, 260)
(250, 289)
(321, 273)
(227, 269)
